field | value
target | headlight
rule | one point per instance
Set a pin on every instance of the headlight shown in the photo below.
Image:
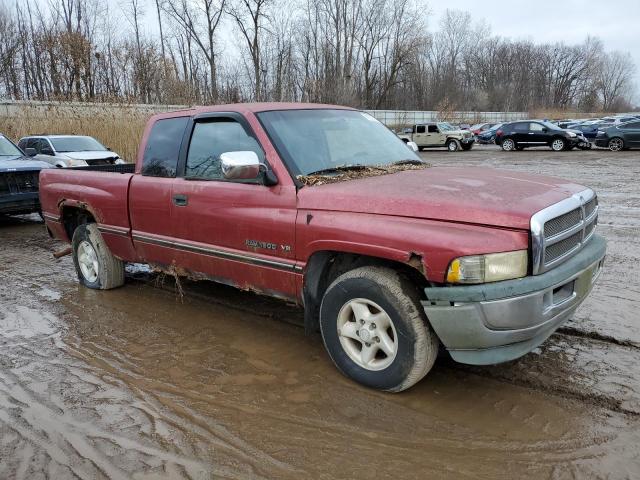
(571, 134)
(492, 267)
(77, 163)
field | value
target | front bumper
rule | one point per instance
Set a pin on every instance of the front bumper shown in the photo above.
(19, 203)
(467, 140)
(502, 321)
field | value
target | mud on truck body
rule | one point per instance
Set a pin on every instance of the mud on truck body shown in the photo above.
(324, 206)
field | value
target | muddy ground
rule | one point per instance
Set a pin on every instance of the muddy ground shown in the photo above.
(138, 383)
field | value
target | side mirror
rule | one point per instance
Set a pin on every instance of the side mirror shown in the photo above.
(30, 152)
(243, 165)
(545, 129)
(413, 146)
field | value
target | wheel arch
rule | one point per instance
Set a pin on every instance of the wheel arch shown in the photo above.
(324, 266)
(75, 215)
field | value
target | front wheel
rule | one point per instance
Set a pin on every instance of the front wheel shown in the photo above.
(375, 330)
(508, 145)
(452, 145)
(616, 144)
(558, 144)
(96, 266)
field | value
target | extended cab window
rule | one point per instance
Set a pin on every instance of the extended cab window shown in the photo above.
(163, 147)
(211, 139)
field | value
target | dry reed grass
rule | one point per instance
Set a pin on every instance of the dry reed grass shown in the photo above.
(119, 130)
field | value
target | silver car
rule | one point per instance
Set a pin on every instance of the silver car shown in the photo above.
(68, 150)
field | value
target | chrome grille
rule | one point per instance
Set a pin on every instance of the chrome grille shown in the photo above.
(562, 223)
(557, 250)
(560, 231)
(590, 206)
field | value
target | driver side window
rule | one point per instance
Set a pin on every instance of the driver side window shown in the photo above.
(433, 129)
(536, 127)
(420, 129)
(211, 139)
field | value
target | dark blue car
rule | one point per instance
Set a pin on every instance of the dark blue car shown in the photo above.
(589, 131)
(488, 136)
(18, 180)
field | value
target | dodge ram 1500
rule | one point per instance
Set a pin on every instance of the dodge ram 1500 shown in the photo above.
(325, 206)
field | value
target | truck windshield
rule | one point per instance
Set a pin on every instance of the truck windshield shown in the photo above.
(8, 149)
(316, 140)
(76, 144)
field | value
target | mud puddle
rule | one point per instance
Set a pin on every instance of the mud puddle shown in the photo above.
(135, 383)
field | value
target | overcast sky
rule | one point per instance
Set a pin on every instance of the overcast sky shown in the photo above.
(617, 23)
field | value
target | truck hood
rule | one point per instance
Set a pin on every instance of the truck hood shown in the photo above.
(481, 196)
(93, 155)
(15, 164)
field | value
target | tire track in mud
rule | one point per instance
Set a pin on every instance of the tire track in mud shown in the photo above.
(45, 420)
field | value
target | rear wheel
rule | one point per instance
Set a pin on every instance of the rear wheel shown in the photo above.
(452, 145)
(95, 265)
(558, 144)
(508, 145)
(616, 144)
(375, 330)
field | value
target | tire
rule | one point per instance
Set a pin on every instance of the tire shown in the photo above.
(616, 144)
(508, 145)
(96, 266)
(558, 144)
(380, 295)
(452, 145)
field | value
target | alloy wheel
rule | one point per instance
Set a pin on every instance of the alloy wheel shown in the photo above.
(616, 144)
(367, 334)
(88, 261)
(557, 145)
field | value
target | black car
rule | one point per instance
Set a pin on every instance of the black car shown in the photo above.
(620, 137)
(18, 180)
(537, 133)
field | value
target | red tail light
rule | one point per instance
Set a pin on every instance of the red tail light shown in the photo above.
(499, 133)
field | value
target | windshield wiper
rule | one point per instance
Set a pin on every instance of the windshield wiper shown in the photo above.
(408, 162)
(339, 168)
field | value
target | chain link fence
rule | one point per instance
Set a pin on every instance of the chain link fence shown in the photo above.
(391, 118)
(399, 118)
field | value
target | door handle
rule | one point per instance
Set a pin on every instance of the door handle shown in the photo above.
(180, 200)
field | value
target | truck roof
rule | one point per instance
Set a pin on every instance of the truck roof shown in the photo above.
(249, 108)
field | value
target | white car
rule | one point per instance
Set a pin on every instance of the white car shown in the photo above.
(69, 150)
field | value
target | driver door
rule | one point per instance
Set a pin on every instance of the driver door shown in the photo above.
(240, 232)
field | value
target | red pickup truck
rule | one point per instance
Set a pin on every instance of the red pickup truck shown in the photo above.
(324, 206)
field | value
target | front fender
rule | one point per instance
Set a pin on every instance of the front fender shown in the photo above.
(427, 245)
